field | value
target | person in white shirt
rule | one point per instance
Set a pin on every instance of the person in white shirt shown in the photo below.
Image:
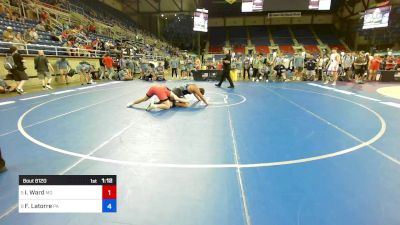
(323, 61)
(333, 67)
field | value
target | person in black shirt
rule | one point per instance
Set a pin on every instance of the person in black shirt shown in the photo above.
(226, 70)
(311, 64)
(18, 71)
(280, 69)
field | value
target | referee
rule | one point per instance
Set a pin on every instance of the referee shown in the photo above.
(226, 70)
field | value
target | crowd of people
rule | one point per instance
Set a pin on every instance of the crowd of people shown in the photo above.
(120, 60)
(78, 38)
(329, 67)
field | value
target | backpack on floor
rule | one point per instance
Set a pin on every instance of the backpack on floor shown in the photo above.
(71, 72)
(9, 63)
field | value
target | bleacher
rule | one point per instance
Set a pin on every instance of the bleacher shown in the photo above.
(327, 35)
(238, 36)
(311, 49)
(259, 36)
(217, 39)
(44, 38)
(102, 12)
(281, 36)
(286, 49)
(304, 35)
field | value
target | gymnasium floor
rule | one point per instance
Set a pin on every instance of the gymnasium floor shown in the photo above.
(263, 153)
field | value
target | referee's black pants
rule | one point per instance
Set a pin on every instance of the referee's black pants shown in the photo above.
(226, 75)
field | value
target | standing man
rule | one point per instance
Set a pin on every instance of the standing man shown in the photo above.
(226, 70)
(246, 67)
(298, 63)
(347, 63)
(174, 66)
(102, 69)
(333, 67)
(63, 68)
(42, 66)
(18, 70)
(360, 64)
(108, 63)
(374, 65)
(310, 65)
(256, 67)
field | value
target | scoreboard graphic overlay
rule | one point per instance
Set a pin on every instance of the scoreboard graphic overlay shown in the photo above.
(67, 193)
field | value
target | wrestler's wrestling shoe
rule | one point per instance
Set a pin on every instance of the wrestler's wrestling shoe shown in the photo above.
(151, 107)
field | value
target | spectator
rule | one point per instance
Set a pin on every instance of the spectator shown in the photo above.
(149, 73)
(257, 64)
(131, 65)
(125, 75)
(33, 34)
(298, 63)
(108, 63)
(390, 63)
(83, 68)
(166, 64)
(174, 65)
(197, 64)
(374, 65)
(183, 67)
(360, 64)
(101, 68)
(246, 67)
(93, 74)
(160, 70)
(347, 63)
(42, 66)
(8, 35)
(65, 34)
(92, 28)
(19, 41)
(3, 11)
(18, 71)
(27, 37)
(2, 163)
(96, 44)
(137, 67)
(40, 26)
(63, 68)
(56, 37)
(310, 65)
(280, 71)
(122, 63)
(44, 16)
